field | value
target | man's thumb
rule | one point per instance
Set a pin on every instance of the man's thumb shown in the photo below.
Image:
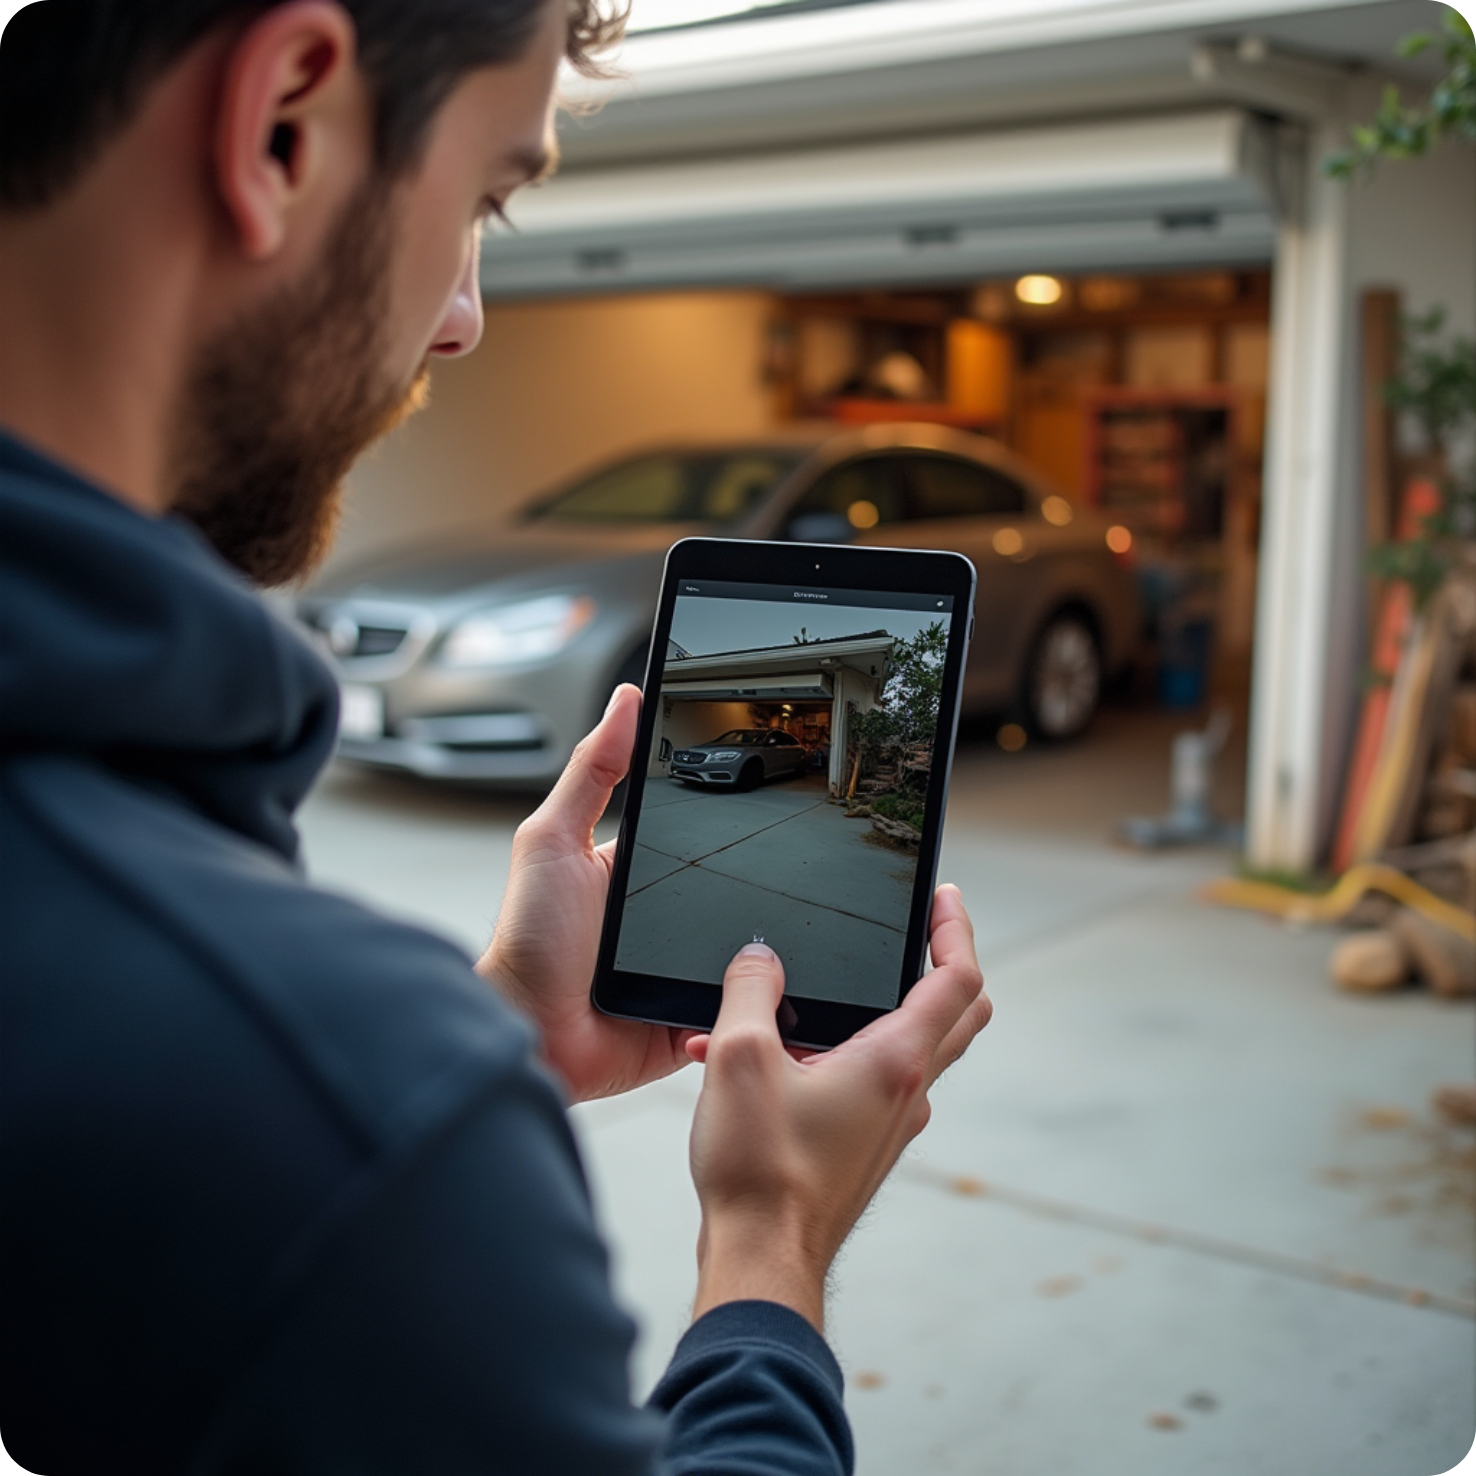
(752, 988)
(598, 764)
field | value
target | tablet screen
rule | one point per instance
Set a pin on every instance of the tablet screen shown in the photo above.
(785, 785)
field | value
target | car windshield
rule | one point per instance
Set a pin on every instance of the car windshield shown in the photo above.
(714, 487)
(748, 736)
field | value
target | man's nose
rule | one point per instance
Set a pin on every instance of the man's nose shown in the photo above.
(461, 328)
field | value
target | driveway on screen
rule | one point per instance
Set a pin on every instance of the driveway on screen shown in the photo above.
(713, 871)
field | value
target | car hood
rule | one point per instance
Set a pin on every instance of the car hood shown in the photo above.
(514, 560)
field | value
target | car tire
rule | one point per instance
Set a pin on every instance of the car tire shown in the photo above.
(1061, 687)
(750, 775)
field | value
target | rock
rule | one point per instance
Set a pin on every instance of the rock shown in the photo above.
(896, 830)
(1443, 959)
(1369, 962)
(1456, 1105)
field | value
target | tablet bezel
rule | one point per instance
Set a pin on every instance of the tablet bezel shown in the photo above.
(693, 1004)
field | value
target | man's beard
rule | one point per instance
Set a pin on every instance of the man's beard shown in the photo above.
(280, 405)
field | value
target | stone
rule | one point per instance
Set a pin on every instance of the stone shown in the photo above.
(1369, 962)
(1442, 958)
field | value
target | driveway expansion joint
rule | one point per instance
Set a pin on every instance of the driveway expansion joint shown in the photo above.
(1146, 1232)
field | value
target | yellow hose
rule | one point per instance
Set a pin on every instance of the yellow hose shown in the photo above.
(1331, 906)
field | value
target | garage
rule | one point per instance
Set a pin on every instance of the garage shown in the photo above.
(805, 692)
(1115, 253)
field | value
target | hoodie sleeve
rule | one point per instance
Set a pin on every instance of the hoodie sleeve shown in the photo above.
(465, 1324)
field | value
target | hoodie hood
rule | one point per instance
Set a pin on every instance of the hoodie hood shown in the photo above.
(126, 639)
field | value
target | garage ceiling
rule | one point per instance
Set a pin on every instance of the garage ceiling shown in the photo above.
(1181, 189)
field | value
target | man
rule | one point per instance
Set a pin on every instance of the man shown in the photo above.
(287, 1186)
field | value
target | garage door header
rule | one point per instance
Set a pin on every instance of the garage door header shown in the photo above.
(1172, 190)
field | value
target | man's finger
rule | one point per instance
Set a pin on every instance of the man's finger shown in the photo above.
(752, 988)
(958, 1040)
(936, 1004)
(568, 816)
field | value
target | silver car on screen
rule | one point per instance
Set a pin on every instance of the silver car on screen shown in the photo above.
(489, 663)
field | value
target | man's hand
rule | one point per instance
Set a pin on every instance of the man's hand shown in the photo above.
(788, 1149)
(543, 952)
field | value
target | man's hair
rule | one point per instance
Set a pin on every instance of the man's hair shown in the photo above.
(73, 72)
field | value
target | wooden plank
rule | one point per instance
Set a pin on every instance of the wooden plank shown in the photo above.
(1376, 720)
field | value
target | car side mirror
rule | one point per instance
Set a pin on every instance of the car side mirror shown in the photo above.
(820, 527)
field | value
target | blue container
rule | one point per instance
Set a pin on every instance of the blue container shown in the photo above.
(1184, 651)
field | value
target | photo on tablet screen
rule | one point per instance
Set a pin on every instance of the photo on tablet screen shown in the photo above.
(785, 786)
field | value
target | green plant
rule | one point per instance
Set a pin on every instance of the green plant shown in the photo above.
(1436, 388)
(899, 807)
(906, 714)
(1403, 132)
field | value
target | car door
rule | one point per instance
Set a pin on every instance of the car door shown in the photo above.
(969, 507)
(793, 753)
(860, 500)
(773, 755)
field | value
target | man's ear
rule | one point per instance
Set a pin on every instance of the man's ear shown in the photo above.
(290, 91)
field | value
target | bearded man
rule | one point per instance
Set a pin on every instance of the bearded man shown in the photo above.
(287, 1186)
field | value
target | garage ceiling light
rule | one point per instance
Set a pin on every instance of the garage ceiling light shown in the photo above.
(1038, 291)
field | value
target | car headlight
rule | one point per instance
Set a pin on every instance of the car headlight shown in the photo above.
(724, 756)
(530, 630)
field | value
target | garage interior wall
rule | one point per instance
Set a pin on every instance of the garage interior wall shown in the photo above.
(554, 387)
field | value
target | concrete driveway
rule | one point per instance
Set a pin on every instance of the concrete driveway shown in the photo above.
(1183, 1211)
(715, 870)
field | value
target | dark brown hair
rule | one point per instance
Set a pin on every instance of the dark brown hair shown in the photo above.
(73, 72)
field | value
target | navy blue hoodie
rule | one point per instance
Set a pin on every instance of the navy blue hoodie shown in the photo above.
(282, 1186)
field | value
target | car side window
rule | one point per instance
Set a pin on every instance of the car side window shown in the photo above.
(949, 487)
(866, 493)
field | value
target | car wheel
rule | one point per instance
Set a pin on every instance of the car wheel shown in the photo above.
(1063, 678)
(750, 775)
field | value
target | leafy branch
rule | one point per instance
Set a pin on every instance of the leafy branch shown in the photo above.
(906, 714)
(1436, 388)
(1399, 131)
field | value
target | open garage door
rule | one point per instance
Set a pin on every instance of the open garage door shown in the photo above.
(776, 689)
(1154, 192)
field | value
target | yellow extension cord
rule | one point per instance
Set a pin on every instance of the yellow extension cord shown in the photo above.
(1369, 876)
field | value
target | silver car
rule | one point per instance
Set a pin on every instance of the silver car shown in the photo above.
(741, 759)
(489, 663)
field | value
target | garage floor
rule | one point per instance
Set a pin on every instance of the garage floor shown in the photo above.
(1182, 1210)
(715, 870)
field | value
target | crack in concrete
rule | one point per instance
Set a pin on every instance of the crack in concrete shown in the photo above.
(1145, 1231)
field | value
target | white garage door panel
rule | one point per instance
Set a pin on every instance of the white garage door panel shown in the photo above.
(1187, 188)
(768, 689)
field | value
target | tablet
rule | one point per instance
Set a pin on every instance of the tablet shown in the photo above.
(789, 781)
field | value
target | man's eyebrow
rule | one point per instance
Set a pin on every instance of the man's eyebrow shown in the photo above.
(536, 164)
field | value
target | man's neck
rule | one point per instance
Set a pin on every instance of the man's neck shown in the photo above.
(84, 371)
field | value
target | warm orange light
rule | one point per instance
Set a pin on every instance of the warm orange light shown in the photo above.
(1007, 542)
(1119, 539)
(863, 514)
(1012, 737)
(1056, 510)
(1038, 290)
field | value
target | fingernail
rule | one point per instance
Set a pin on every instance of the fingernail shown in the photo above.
(610, 705)
(756, 950)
